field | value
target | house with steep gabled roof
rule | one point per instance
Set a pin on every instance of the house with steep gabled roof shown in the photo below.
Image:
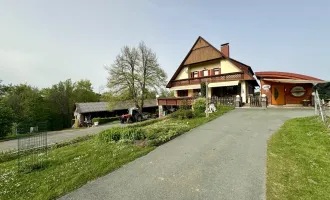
(226, 76)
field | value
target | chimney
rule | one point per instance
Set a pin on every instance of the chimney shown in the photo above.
(225, 49)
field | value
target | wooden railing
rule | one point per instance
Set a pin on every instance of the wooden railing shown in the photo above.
(179, 101)
(175, 101)
(255, 101)
(229, 101)
(210, 79)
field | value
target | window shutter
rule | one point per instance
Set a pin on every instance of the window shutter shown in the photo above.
(212, 72)
(209, 72)
(219, 70)
(200, 74)
(191, 74)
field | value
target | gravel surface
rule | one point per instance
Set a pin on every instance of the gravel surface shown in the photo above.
(223, 159)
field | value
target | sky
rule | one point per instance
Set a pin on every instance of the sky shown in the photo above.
(44, 42)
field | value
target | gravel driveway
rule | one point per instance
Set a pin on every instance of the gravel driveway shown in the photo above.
(59, 136)
(223, 159)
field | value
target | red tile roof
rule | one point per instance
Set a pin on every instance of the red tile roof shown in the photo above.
(284, 75)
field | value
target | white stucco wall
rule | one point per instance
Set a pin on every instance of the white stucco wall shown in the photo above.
(228, 67)
(184, 74)
(225, 65)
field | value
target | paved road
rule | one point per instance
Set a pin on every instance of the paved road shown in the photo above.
(223, 159)
(59, 136)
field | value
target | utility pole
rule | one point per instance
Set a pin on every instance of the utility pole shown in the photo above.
(207, 101)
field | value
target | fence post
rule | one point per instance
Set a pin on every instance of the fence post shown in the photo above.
(238, 101)
(315, 102)
(263, 101)
(207, 98)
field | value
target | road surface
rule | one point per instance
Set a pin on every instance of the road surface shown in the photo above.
(60, 136)
(223, 159)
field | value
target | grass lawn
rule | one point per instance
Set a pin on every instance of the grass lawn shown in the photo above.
(69, 167)
(298, 161)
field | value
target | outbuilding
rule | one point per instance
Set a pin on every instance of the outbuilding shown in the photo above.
(284, 88)
(90, 110)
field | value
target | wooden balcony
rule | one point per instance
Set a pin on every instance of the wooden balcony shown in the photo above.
(210, 79)
(175, 101)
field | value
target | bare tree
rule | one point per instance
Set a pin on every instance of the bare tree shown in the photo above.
(122, 73)
(151, 75)
(137, 71)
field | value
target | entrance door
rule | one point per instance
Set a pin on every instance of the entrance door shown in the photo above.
(278, 95)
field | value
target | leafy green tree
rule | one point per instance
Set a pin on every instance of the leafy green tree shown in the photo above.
(6, 119)
(324, 90)
(2, 89)
(61, 99)
(166, 93)
(27, 103)
(83, 92)
(54, 105)
(137, 71)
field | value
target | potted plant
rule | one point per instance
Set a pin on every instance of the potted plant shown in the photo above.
(305, 102)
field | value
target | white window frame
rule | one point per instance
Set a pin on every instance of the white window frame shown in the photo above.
(205, 72)
(216, 71)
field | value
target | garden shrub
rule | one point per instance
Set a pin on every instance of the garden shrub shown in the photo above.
(153, 132)
(112, 134)
(199, 106)
(182, 114)
(122, 133)
(132, 134)
(188, 114)
(105, 120)
(184, 105)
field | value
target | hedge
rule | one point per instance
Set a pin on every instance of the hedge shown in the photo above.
(105, 120)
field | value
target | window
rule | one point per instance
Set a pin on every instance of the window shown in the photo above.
(216, 71)
(194, 74)
(205, 72)
(182, 93)
(196, 91)
(298, 91)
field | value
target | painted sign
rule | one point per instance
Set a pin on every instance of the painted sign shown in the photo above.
(266, 87)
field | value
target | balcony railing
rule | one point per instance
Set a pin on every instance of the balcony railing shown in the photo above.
(210, 79)
(175, 101)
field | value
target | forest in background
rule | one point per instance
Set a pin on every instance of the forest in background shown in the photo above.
(25, 105)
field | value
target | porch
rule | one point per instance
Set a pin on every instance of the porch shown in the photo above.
(217, 89)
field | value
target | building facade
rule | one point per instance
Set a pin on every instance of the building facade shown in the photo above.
(225, 76)
(284, 88)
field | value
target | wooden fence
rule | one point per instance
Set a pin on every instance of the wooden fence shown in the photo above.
(255, 101)
(229, 101)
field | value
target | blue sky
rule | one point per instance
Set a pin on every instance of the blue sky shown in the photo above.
(44, 42)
